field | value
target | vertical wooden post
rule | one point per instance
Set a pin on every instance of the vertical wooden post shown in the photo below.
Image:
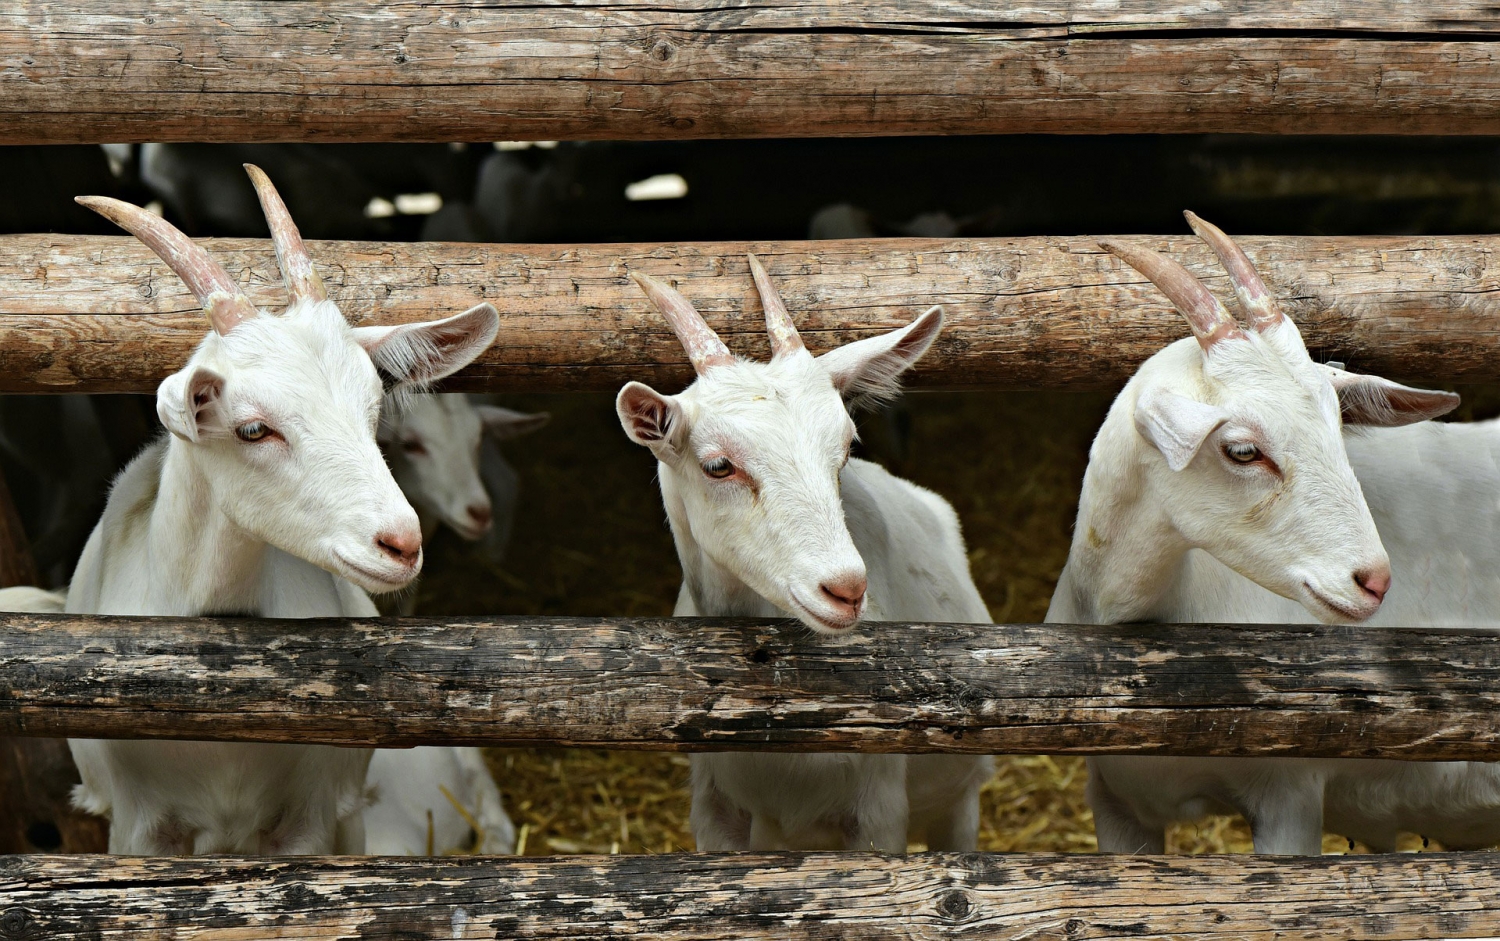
(37, 775)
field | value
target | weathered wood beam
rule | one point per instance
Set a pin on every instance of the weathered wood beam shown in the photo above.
(422, 70)
(742, 897)
(696, 685)
(81, 314)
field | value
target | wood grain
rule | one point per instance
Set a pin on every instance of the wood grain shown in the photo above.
(438, 70)
(708, 684)
(743, 897)
(86, 314)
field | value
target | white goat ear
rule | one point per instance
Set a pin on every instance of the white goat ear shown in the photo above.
(418, 354)
(187, 402)
(1375, 402)
(649, 418)
(503, 424)
(872, 368)
(1177, 425)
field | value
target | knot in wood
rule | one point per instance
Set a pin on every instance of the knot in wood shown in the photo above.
(663, 50)
(1072, 927)
(955, 905)
(683, 124)
(17, 922)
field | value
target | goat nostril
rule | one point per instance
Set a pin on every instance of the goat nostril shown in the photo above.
(480, 514)
(400, 547)
(1374, 581)
(845, 591)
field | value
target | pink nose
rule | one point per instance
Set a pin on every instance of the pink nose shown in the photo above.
(480, 515)
(845, 591)
(1376, 581)
(403, 547)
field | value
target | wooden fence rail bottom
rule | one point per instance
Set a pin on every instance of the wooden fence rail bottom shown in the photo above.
(753, 896)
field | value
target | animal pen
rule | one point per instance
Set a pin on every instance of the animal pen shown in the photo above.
(101, 314)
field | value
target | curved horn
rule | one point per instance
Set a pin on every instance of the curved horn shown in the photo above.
(218, 293)
(784, 338)
(1258, 303)
(1208, 318)
(703, 346)
(297, 271)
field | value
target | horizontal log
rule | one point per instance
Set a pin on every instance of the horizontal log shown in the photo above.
(422, 70)
(713, 685)
(740, 897)
(81, 314)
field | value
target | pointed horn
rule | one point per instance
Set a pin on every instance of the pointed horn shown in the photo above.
(1258, 303)
(784, 338)
(703, 346)
(297, 271)
(217, 292)
(1208, 318)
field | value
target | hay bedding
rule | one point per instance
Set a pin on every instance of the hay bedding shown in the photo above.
(591, 539)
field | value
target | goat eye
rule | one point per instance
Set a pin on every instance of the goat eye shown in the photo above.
(413, 446)
(1242, 453)
(252, 431)
(718, 468)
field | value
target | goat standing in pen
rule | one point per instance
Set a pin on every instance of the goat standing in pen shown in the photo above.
(269, 497)
(1225, 454)
(772, 518)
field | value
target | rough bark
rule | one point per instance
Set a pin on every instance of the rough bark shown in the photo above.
(740, 897)
(1023, 313)
(424, 70)
(696, 685)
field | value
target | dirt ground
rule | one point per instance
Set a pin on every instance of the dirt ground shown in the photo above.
(591, 539)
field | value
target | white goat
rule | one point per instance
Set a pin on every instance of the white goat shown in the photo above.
(434, 800)
(772, 518)
(1225, 452)
(269, 497)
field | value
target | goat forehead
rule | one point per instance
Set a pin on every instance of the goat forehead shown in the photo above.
(769, 409)
(1281, 389)
(309, 364)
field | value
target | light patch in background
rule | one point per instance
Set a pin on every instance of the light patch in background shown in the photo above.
(156, 208)
(525, 144)
(418, 204)
(378, 208)
(661, 186)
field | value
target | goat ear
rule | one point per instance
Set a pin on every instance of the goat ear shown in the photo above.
(1380, 403)
(418, 354)
(187, 402)
(1177, 425)
(502, 424)
(649, 418)
(872, 368)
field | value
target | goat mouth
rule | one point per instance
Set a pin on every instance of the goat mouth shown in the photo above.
(380, 578)
(827, 624)
(1341, 610)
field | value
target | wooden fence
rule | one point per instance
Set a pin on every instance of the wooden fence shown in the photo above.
(101, 314)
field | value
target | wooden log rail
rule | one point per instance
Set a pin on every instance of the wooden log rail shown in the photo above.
(718, 684)
(423, 70)
(81, 314)
(747, 897)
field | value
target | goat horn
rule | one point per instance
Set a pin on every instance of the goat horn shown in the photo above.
(218, 293)
(784, 338)
(704, 348)
(1208, 318)
(1261, 308)
(297, 271)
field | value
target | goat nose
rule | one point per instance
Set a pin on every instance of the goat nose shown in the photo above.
(480, 514)
(845, 590)
(1375, 581)
(404, 547)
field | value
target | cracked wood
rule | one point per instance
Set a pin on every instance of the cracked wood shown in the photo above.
(745, 896)
(89, 314)
(712, 684)
(347, 70)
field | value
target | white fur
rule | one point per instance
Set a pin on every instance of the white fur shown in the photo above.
(1434, 492)
(798, 515)
(410, 814)
(203, 522)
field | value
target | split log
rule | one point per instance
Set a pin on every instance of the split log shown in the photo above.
(721, 684)
(743, 896)
(1023, 313)
(420, 70)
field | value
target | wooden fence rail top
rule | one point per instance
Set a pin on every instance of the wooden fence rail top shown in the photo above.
(718, 684)
(423, 70)
(81, 314)
(744, 897)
